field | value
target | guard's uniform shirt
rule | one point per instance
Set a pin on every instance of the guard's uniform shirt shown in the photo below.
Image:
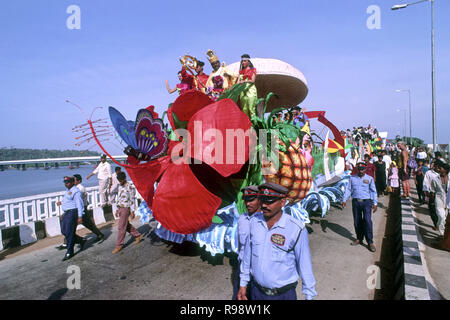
(361, 188)
(278, 257)
(72, 200)
(243, 233)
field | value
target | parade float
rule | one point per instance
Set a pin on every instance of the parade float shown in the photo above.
(190, 174)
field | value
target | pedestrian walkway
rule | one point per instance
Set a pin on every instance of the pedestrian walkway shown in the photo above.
(157, 270)
(437, 260)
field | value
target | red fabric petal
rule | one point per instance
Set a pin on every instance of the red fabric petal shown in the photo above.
(221, 115)
(151, 109)
(145, 175)
(170, 118)
(187, 104)
(182, 204)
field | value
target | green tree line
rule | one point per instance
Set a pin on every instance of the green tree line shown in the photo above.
(7, 154)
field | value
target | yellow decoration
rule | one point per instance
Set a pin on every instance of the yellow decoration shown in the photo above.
(306, 128)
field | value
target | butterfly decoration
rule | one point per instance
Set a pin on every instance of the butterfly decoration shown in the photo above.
(146, 138)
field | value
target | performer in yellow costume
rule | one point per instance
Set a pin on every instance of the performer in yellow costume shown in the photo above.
(248, 97)
(219, 70)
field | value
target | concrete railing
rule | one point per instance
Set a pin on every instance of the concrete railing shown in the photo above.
(37, 208)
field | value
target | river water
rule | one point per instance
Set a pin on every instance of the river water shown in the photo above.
(17, 183)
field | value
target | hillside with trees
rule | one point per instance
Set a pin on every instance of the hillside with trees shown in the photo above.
(7, 154)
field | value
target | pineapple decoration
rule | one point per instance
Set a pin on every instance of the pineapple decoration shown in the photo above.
(293, 173)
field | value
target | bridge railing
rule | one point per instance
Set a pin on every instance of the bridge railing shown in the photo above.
(38, 207)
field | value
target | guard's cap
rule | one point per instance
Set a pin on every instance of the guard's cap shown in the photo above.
(249, 193)
(361, 165)
(68, 179)
(270, 192)
(103, 156)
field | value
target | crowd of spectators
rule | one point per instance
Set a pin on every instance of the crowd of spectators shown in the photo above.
(396, 165)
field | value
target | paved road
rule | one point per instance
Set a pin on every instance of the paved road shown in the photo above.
(437, 260)
(156, 270)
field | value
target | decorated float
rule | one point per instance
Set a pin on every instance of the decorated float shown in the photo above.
(190, 172)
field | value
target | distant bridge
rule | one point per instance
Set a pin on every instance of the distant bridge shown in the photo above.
(47, 163)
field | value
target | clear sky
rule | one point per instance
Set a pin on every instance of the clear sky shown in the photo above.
(126, 49)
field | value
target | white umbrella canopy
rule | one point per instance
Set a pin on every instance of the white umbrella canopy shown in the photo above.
(279, 77)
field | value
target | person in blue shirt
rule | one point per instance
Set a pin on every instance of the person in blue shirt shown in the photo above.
(73, 207)
(250, 197)
(276, 252)
(361, 188)
(300, 118)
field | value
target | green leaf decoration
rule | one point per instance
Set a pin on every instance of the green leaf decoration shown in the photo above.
(233, 93)
(179, 124)
(217, 220)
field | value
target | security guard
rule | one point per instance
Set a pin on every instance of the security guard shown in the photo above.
(361, 188)
(276, 252)
(72, 205)
(250, 197)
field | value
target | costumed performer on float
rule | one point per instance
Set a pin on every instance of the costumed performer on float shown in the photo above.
(181, 87)
(248, 97)
(197, 81)
(219, 70)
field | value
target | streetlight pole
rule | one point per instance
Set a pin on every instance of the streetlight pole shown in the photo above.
(404, 126)
(433, 96)
(432, 77)
(410, 117)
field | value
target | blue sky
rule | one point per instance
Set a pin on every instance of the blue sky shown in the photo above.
(126, 49)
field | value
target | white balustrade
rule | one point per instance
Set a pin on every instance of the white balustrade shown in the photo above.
(38, 207)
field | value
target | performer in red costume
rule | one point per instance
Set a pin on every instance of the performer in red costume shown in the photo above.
(200, 79)
(184, 85)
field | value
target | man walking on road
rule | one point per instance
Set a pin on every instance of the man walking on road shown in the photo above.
(361, 188)
(439, 186)
(103, 172)
(432, 176)
(403, 172)
(125, 209)
(88, 219)
(276, 252)
(72, 205)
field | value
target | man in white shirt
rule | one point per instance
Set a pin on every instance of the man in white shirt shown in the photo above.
(351, 163)
(439, 186)
(103, 172)
(421, 155)
(432, 175)
(387, 159)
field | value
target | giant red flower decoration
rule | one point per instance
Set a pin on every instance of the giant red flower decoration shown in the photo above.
(189, 195)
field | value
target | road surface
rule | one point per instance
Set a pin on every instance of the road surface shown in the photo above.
(157, 270)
